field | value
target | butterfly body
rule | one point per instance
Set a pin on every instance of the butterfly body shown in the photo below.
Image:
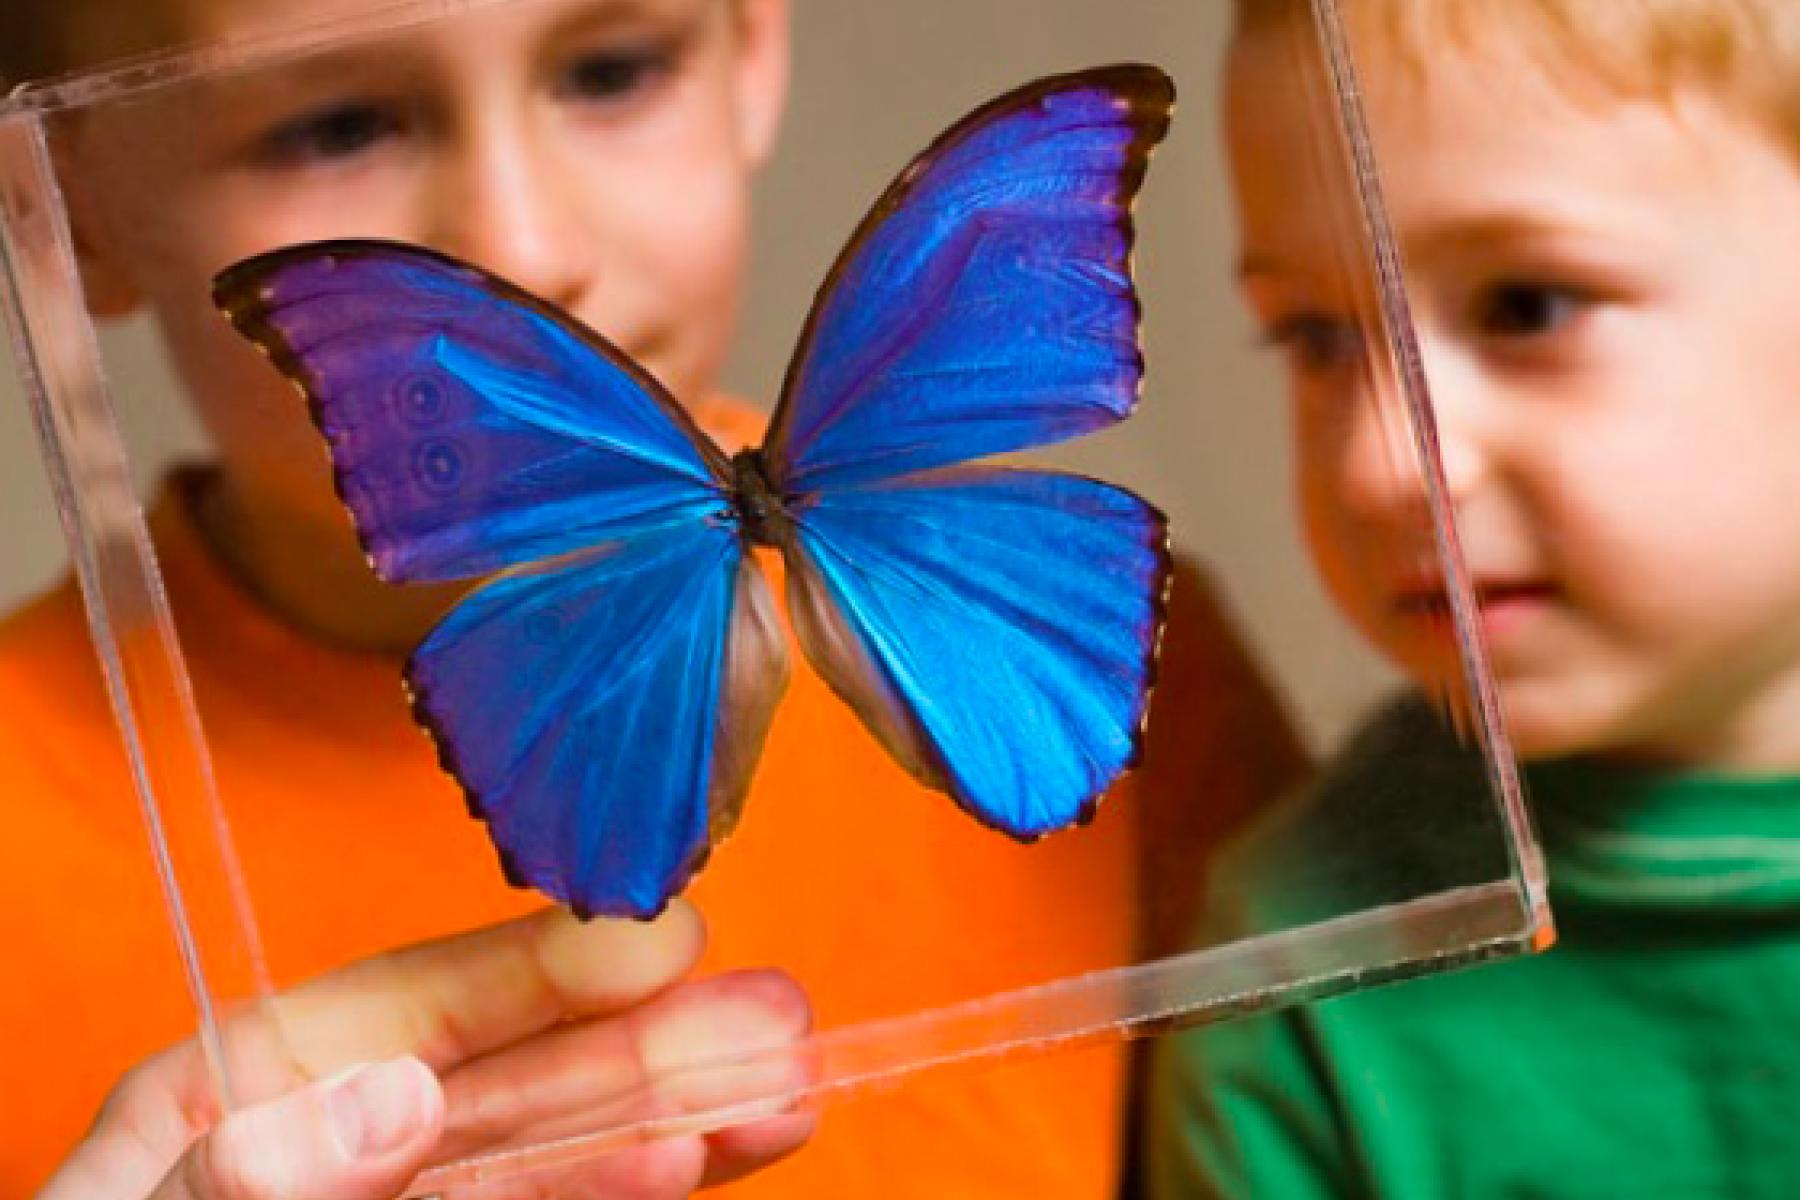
(604, 696)
(761, 510)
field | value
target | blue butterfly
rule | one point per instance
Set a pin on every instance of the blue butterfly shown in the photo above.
(604, 698)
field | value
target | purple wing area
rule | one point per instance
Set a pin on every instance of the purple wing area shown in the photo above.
(603, 717)
(986, 303)
(471, 425)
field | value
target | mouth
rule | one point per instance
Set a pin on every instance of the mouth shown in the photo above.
(1500, 604)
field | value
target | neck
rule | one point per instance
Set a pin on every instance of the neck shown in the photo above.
(312, 575)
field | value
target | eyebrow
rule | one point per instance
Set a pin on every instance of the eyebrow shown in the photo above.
(1255, 264)
(1487, 229)
(393, 51)
(1508, 227)
(390, 52)
(1499, 227)
(600, 16)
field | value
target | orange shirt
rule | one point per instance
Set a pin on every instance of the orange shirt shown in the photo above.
(879, 896)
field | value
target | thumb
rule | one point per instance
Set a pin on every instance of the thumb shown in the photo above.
(361, 1135)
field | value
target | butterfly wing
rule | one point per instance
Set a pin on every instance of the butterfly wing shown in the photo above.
(986, 303)
(996, 628)
(604, 717)
(604, 708)
(471, 425)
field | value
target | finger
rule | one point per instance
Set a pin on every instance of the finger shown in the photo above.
(359, 1136)
(157, 1110)
(666, 1169)
(743, 1149)
(671, 1169)
(716, 1044)
(461, 997)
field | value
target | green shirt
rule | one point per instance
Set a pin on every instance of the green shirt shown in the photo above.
(1655, 1051)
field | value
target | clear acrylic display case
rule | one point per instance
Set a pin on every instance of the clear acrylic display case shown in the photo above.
(1418, 880)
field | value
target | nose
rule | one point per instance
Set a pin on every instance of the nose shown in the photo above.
(504, 201)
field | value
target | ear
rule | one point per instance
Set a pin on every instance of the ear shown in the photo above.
(763, 63)
(107, 286)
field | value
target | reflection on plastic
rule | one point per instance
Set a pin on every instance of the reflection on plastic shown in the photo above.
(128, 613)
(1381, 945)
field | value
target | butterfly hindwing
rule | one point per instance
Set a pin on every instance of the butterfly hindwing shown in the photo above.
(996, 628)
(986, 303)
(602, 717)
(471, 426)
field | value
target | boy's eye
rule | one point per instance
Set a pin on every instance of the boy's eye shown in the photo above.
(1524, 310)
(1315, 343)
(613, 74)
(337, 132)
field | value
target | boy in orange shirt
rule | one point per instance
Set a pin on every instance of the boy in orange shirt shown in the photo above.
(598, 153)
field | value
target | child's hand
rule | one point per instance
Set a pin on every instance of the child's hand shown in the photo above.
(476, 1040)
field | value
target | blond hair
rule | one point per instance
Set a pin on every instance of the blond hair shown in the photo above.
(1746, 53)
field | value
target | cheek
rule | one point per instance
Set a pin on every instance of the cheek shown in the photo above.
(694, 228)
(144, 207)
(1341, 562)
(254, 415)
(670, 268)
(684, 205)
(168, 228)
(1665, 519)
(1681, 566)
(1336, 534)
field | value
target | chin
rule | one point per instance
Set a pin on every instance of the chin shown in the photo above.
(1542, 726)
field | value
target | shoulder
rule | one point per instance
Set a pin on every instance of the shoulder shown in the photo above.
(1403, 809)
(52, 695)
(65, 787)
(1219, 747)
(46, 656)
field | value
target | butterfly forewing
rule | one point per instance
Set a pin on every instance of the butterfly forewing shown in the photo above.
(986, 303)
(471, 426)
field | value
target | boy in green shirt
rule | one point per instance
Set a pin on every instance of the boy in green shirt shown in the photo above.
(1600, 205)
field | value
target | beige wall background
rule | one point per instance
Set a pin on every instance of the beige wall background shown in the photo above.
(874, 81)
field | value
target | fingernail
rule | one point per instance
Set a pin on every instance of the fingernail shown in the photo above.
(378, 1108)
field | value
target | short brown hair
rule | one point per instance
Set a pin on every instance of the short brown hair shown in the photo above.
(41, 39)
(30, 42)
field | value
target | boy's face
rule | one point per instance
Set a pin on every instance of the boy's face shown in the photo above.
(1605, 290)
(596, 152)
